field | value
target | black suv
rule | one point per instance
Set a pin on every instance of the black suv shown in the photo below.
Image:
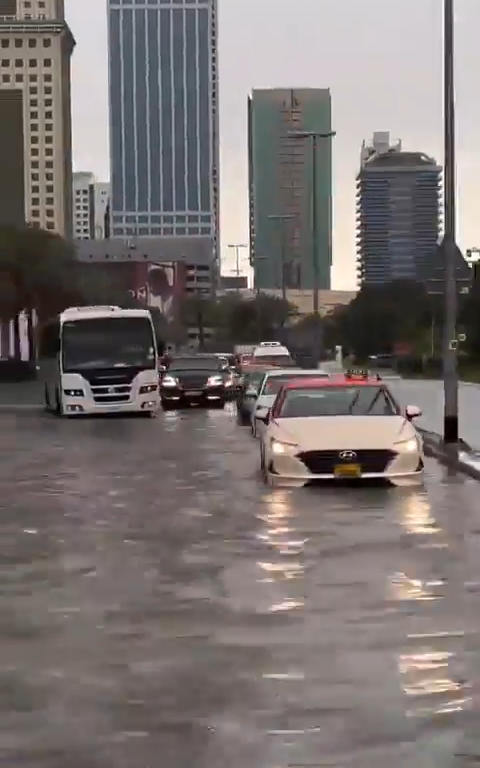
(193, 380)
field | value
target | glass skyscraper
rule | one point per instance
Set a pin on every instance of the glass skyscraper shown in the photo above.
(163, 117)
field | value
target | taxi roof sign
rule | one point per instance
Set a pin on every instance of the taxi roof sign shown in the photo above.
(361, 374)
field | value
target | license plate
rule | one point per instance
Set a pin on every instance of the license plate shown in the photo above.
(193, 392)
(347, 470)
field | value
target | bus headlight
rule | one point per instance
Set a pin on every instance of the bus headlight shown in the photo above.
(73, 392)
(146, 388)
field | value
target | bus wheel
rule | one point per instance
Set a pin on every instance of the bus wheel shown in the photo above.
(58, 404)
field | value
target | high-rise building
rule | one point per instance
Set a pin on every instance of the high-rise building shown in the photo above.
(35, 115)
(164, 120)
(90, 207)
(398, 213)
(280, 185)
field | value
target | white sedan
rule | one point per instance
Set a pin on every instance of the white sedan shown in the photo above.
(340, 428)
(270, 386)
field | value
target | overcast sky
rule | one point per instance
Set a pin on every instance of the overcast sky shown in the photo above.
(380, 58)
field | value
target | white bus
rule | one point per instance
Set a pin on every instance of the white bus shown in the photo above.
(95, 360)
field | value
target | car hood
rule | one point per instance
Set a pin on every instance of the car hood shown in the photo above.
(344, 432)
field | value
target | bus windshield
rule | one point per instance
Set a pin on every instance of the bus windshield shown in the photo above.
(108, 343)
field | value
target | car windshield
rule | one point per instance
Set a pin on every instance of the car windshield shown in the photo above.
(195, 364)
(107, 343)
(274, 384)
(338, 401)
(284, 361)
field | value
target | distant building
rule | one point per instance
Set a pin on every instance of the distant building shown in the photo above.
(164, 121)
(194, 255)
(36, 45)
(90, 207)
(398, 213)
(233, 282)
(328, 300)
(280, 184)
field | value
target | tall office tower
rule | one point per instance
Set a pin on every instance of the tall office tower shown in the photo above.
(398, 213)
(35, 119)
(90, 207)
(164, 119)
(280, 185)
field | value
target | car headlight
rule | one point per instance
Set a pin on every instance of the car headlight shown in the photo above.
(407, 446)
(214, 381)
(169, 381)
(145, 388)
(281, 448)
(73, 392)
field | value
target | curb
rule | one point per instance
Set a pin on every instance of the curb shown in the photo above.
(461, 457)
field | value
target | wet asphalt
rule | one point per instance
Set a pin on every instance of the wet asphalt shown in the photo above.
(159, 606)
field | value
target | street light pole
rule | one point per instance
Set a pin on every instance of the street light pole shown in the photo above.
(282, 219)
(450, 371)
(313, 137)
(237, 247)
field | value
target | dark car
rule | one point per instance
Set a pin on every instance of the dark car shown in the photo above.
(248, 394)
(193, 380)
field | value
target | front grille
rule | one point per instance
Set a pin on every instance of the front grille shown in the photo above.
(324, 462)
(193, 381)
(111, 399)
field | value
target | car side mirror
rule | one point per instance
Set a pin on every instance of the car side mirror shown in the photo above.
(412, 412)
(263, 414)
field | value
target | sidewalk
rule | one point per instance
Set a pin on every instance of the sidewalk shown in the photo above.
(24, 394)
(428, 395)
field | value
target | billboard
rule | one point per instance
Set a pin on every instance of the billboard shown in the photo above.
(156, 285)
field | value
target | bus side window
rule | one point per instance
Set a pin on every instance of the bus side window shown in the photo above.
(50, 340)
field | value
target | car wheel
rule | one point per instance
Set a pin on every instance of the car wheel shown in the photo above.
(58, 404)
(166, 406)
(48, 405)
(219, 404)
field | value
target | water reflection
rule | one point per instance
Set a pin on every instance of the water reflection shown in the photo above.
(426, 668)
(417, 516)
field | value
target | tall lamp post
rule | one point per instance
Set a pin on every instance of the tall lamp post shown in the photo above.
(237, 248)
(450, 370)
(313, 138)
(281, 219)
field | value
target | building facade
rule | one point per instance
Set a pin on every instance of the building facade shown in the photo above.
(164, 119)
(192, 255)
(398, 213)
(280, 185)
(35, 115)
(90, 207)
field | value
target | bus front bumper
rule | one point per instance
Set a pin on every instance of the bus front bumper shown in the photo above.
(83, 407)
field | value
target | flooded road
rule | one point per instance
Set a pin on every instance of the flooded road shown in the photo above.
(160, 606)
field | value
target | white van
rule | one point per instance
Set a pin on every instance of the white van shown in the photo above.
(272, 353)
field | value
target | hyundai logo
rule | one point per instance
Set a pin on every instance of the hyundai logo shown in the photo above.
(346, 455)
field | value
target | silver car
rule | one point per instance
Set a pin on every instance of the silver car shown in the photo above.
(271, 385)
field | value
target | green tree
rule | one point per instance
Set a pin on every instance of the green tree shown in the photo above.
(379, 317)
